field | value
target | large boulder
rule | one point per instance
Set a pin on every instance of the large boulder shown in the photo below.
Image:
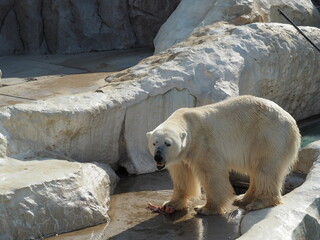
(44, 197)
(189, 17)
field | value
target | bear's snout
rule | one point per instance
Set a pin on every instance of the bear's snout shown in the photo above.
(159, 159)
(158, 156)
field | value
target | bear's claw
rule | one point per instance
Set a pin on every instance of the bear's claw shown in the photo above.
(203, 210)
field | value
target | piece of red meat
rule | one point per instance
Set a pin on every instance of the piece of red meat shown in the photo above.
(162, 210)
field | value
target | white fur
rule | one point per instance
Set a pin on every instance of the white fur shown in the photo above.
(247, 134)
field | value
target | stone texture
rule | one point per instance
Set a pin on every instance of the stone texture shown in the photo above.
(44, 197)
(10, 40)
(297, 218)
(86, 131)
(41, 27)
(3, 146)
(307, 156)
(186, 19)
(147, 17)
(269, 60)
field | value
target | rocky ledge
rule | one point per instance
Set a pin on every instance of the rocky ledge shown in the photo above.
(43, 197)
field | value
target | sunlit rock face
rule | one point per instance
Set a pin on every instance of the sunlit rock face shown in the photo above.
(39, 198)
(41, 27)
(186, 19)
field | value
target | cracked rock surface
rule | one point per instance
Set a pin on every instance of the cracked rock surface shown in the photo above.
(41, 27)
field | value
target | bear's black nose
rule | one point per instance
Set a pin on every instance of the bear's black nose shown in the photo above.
(157, 156)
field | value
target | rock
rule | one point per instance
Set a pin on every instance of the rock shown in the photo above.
(147, 17)
(42, 27)
(263, 59)
(307, 156)
(30, 23)
(296, 218)
(40, 198)
(185, 19)
(86, 132)
(3, 146)
(10, 40)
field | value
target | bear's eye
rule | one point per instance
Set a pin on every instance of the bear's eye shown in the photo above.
(167, 144)
(154, 144)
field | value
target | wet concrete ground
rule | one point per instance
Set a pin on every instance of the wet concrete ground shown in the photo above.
(131, 220)
(29, 78)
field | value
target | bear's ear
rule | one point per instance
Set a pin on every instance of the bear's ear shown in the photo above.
(183, 135)
(148, 135)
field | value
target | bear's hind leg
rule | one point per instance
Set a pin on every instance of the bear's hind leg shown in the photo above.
(185, 186)
(268, 190)
(244, 199)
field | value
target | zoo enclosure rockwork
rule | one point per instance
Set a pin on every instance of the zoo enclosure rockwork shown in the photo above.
(59, 26)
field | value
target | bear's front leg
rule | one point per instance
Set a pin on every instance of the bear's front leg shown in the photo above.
(217, 188)
(185, 186)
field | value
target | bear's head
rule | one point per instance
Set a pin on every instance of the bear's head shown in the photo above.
(167, 145)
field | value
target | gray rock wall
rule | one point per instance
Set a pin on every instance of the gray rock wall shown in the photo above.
(59, 26)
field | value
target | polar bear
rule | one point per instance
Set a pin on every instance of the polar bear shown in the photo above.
(247, 134)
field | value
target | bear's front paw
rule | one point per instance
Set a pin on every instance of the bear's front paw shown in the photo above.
(177, 205)
(206, 210)
(263, 203)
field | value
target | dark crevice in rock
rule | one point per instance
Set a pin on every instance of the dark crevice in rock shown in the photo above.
(43, 43)
(100, 17)
(132, 23)
(122, 146)
(3, 19)
(20, 31)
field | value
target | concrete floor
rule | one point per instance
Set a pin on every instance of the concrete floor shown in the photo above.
(28, 78)
(131, 220)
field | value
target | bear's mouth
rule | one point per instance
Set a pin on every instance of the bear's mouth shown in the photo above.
(160, 165)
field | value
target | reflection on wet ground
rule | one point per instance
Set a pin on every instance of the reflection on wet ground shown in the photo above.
(131, 220)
